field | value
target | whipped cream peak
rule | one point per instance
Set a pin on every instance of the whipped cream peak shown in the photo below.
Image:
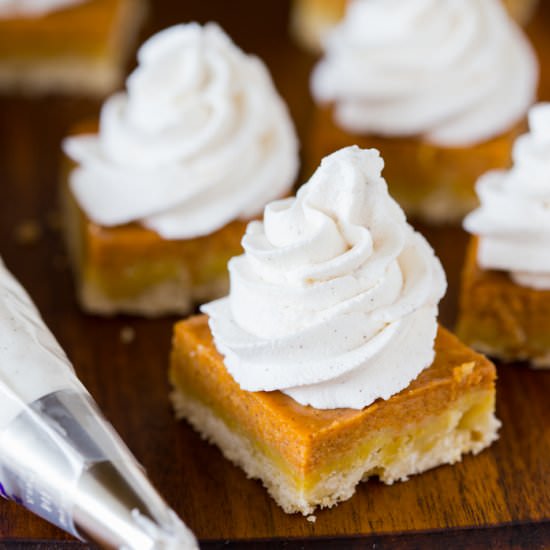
(513, 220)
(334, 301)
(199, 139)
(33, 8)
(392, 67)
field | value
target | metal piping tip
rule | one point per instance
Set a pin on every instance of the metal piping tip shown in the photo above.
(62, 460)
(118, 508)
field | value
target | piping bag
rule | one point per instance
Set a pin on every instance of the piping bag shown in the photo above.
(59, 457)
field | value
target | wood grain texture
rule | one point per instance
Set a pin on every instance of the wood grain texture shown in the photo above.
(506, 487)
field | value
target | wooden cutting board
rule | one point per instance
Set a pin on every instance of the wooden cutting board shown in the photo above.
(505, 489)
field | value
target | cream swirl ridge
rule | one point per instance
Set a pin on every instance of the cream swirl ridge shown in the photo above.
(33, 8)
(200, 138)
(456, 72)
(513, 221)
(334, 301)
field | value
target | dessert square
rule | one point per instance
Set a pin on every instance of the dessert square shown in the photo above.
(309, 458)
(501, 318)
(159, 192)
(388, 80)
(81, 48)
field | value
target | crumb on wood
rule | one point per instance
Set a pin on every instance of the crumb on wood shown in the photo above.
(312, 518)
(27, 232)
(127, 335)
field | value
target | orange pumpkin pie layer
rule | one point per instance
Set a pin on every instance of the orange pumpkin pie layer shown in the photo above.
(310, 458)
(432, 183)
(81, 48)
(502, 318)
(131, 269)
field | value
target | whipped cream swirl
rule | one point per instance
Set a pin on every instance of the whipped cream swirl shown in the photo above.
(334, 301)
(200, 138)
(456, 72)
(513, 221)
(33, 8)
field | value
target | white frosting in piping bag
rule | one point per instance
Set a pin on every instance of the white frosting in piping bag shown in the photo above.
(456, 72)
(335, 299)
(32, 362)
(513, 221)
(33, 8)
(200, 138)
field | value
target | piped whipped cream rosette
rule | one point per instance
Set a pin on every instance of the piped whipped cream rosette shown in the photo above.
(334, 301)
(33, 8)
(200, 138)
(456, 72)
(513, 221)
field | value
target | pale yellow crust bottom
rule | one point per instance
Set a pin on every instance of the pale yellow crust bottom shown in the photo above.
(174, 296)
(74, 75)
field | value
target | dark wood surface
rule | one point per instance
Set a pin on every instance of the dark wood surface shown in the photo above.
(499, 499)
